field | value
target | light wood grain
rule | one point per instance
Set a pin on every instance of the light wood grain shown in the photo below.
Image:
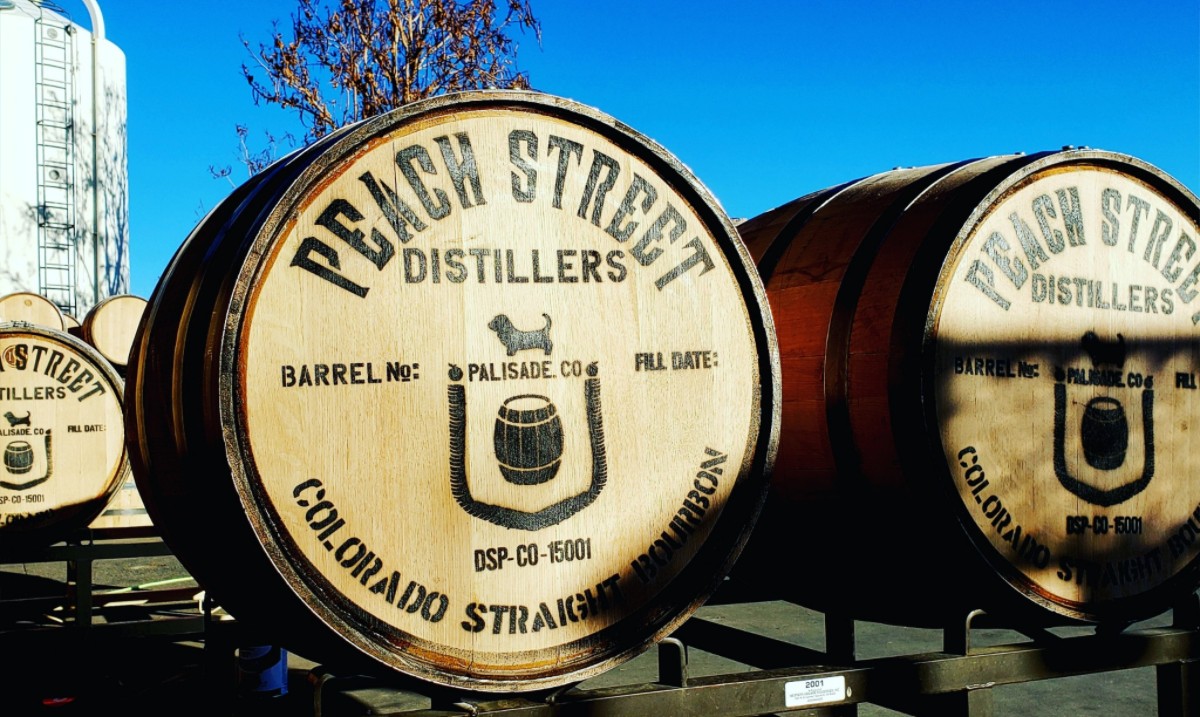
(428, 270)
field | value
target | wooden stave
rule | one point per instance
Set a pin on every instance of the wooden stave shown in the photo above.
(813, 495)
(173, 457)
(196, 415)
(66, 520)
(159, 343)
(908, 472)
(263, 603)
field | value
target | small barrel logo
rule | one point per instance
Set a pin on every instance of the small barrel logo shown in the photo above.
(478, 295)
(1104, 433)
(18, 457)
(528, 439)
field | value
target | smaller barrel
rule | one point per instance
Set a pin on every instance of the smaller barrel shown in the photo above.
(61, 434)
(33, 308)
(1104, 433)
(18, 457)
(111, 325)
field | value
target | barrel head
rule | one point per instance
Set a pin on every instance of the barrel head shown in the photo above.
(1065, 346)
(496, 386)
(62, 434)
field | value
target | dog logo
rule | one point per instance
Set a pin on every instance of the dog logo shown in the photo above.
(515, 339)
(1103, 429)
(14, 421)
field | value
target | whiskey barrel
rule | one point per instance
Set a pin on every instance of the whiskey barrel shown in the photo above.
(989, 391)
(111, 324)
(315, 388)
(32, 308)
(63, 434)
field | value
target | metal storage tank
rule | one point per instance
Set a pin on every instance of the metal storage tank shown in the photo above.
(64, 189)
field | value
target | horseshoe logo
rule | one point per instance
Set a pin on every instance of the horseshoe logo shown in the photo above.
(1103, 431)
(528, 443)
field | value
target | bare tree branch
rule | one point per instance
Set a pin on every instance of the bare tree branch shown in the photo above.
(340, 61)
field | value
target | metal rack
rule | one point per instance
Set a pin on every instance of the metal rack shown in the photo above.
(783, 677)
(79, 607)
(789, 678)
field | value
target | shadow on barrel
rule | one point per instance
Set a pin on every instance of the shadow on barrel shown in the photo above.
(1093, 423)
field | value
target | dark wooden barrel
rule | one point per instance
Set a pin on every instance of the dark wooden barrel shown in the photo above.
(315, 386)
(62, 432)
(989, 392)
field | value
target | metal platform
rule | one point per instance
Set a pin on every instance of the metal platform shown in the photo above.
(793, 679)
(781, 676)
(82, 606)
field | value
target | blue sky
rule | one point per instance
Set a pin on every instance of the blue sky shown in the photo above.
(764, 101)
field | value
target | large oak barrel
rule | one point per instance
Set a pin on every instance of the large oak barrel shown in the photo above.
(316, 384)
(528, 439)
(62, 432)
(989, 392)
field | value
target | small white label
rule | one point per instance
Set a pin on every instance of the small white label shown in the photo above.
(815, 691)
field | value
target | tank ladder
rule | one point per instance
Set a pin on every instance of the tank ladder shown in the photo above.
(54, 69)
